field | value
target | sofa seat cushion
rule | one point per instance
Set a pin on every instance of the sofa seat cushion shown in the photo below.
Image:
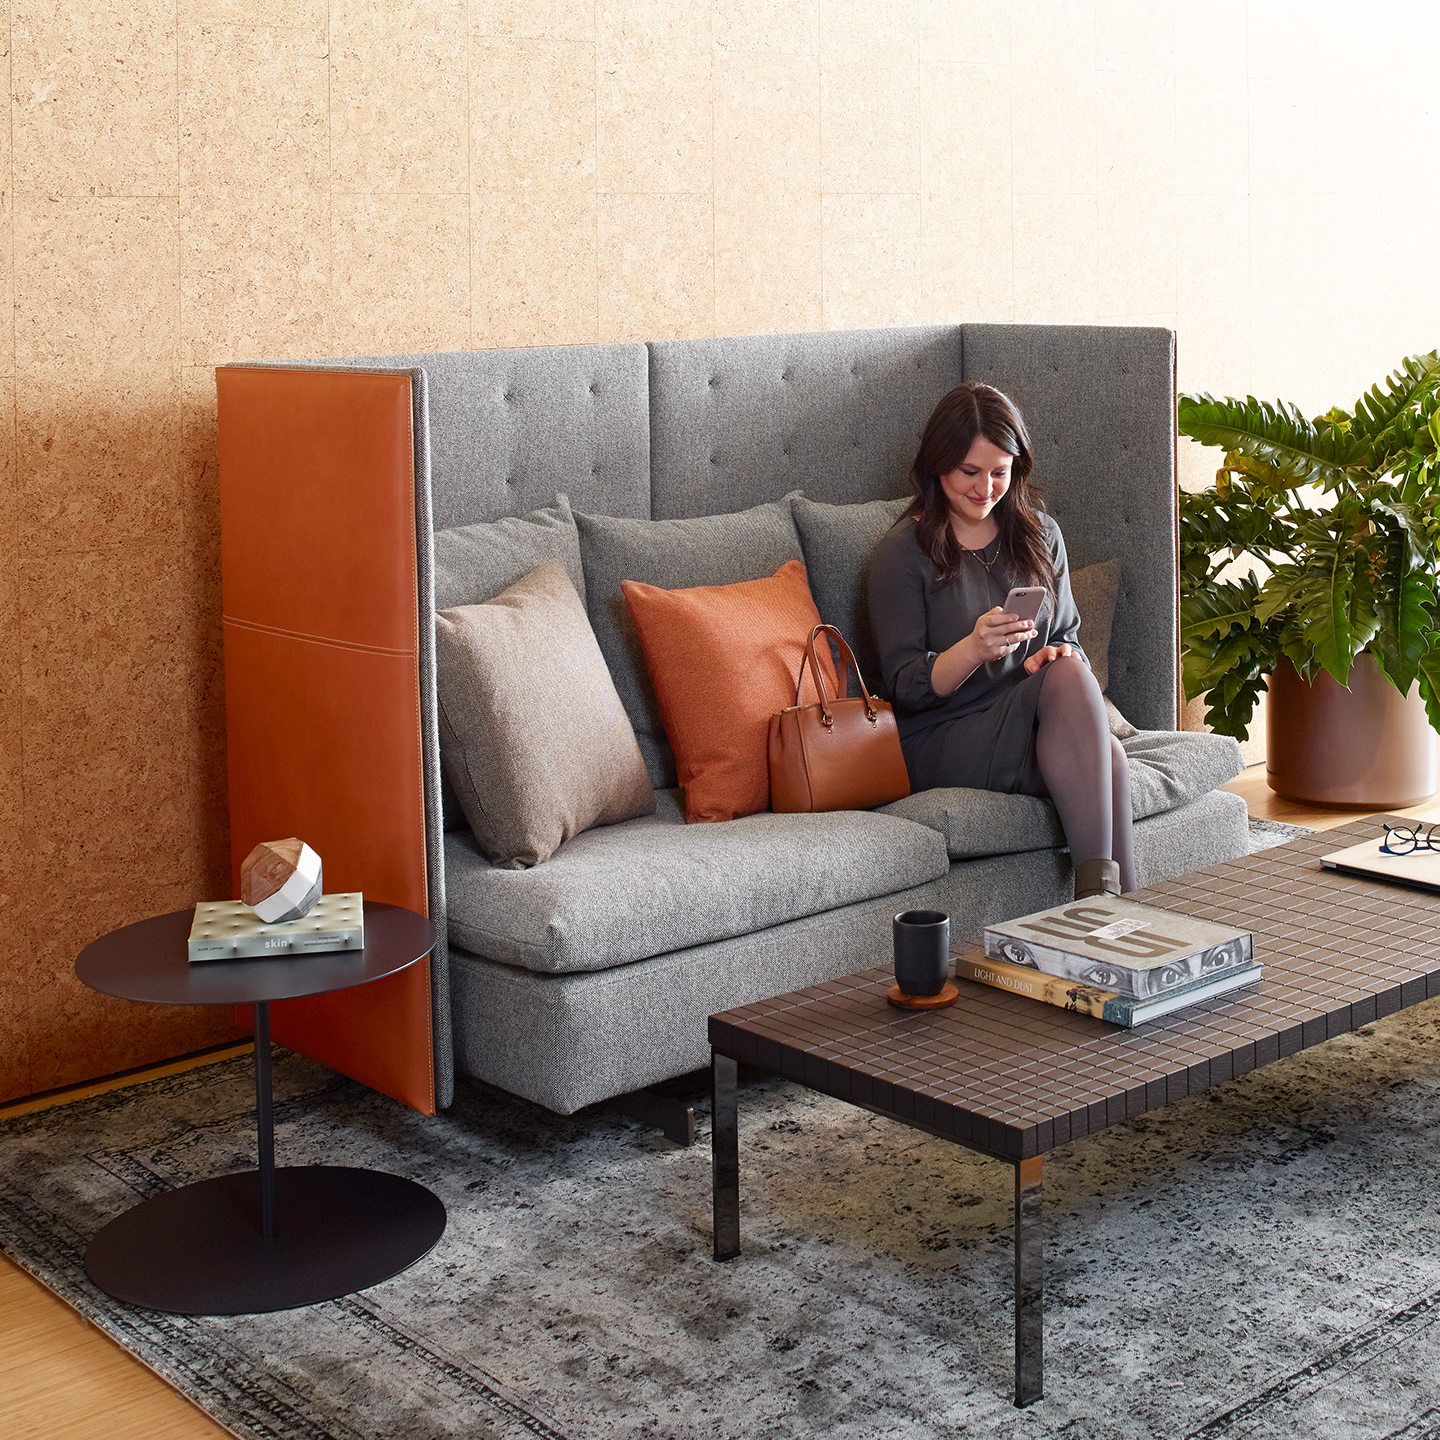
(649, 886)
(1168, 768)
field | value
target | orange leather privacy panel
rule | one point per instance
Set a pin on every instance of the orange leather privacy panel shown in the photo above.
(322, 677)
(317, 504)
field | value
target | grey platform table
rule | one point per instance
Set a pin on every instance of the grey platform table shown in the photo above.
(263, 1239)
(1013, 1078)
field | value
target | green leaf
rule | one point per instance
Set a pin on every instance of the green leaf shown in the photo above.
(1216, 608)
(1406, 631)
(1380, 411)
(1320, 592)
(1430, 686)
(1275, 435)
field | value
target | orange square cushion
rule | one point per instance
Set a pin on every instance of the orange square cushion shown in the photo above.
(723, 659)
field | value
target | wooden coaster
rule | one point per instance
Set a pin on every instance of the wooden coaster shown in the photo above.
(948, 995)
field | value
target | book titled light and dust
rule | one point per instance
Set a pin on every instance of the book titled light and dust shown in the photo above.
(1134, 951)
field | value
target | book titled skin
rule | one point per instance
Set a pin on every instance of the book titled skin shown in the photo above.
(1136, 951)
(231, 930)
(1090, 1000)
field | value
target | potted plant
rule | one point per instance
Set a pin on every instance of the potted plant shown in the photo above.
(1312, 564)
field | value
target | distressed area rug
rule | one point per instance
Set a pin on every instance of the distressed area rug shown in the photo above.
(1262, 1260)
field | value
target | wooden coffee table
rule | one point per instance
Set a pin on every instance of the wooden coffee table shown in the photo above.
(1013, 1078)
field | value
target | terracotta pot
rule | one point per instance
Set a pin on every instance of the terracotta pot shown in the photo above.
(1365, 748)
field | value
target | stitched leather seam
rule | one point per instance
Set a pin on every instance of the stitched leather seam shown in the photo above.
(320, 639)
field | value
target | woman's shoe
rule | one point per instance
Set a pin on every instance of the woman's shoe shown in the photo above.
(1096, 877)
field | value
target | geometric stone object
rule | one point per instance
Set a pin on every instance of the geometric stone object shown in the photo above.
(281, 880)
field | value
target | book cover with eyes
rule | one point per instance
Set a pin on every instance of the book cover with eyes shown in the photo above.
(1121, 946)
(1090, 1000)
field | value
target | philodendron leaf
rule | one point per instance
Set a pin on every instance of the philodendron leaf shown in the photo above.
(1430, 686)
(1410, 524)
(1379, 411)
(1215, 608)
(1276, 436)
(1238, 463)
(1405, 635)
(1321, 597)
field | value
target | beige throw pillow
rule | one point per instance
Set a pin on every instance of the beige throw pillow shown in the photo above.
(533, 737)
(1095, 589)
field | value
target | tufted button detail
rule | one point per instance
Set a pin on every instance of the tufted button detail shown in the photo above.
(786, 375)
(509, 398)
(714, 459)
(714, 381)
(512, 481)
(594, 389)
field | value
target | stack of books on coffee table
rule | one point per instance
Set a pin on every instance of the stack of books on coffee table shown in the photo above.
(1114, 959)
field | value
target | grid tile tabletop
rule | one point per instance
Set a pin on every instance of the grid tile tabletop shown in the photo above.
(1015, 1077)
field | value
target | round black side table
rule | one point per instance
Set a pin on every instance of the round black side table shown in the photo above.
(262, 1239)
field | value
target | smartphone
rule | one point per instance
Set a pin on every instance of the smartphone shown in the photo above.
(1025, 601)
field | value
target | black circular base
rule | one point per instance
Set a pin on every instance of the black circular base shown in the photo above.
(199, 1251)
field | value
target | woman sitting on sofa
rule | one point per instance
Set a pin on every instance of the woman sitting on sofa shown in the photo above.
(983, 698)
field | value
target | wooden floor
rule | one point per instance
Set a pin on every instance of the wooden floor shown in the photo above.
(60, 1378)
(1265, 804)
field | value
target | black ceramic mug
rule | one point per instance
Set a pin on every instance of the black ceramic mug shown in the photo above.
(922, 951)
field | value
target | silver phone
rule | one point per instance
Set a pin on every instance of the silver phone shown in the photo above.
(1025, 601)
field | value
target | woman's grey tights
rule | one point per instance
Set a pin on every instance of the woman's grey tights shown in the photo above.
(1084, 767)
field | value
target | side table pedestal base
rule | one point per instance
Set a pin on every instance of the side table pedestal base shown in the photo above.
(199, 1250)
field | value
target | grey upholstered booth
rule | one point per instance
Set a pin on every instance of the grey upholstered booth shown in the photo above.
(592, 974)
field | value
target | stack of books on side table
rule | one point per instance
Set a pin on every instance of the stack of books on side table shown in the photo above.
(1114, 959)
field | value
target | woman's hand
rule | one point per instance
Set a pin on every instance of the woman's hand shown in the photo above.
(1044, 656)
(995, 635)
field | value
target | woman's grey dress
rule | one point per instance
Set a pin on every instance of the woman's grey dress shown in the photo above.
(982, 736)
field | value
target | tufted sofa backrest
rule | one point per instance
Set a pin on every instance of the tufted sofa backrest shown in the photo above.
(694, 427)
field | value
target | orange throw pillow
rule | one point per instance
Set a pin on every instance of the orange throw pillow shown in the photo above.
(723, 659)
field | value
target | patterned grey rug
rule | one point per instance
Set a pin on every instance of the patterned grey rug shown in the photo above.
(1262, 1260)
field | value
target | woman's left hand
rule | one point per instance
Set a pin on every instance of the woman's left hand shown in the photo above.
(1044, 656)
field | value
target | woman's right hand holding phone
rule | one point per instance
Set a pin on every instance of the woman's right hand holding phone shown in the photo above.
(995, 635)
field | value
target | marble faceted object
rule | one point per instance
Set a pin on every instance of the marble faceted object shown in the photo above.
(281, 880)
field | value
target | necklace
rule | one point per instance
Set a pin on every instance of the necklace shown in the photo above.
(980, 553)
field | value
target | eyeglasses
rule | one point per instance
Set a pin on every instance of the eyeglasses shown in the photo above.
(1401, 840)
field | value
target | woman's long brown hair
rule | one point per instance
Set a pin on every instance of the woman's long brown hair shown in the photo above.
(968, 411)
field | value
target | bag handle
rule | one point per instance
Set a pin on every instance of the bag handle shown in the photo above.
(847, 658)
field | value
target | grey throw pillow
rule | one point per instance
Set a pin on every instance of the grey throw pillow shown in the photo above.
(533, 737)
(675, 555)
(838, 541)
(474, 563)
(1095, 589)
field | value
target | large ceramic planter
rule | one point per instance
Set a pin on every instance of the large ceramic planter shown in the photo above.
(1366, 747)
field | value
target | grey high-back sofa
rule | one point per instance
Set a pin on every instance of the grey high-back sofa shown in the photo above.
(593, 973)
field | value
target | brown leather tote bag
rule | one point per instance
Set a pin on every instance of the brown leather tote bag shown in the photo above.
(841, 754)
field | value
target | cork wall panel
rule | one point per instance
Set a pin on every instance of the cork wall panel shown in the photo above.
(533, 200)
(424, 305)
(254, 107)
(198, 182)
(94, 97)
(767, 206)
(654, 112)
(965, 165)
(869, 97)
(398, 95)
